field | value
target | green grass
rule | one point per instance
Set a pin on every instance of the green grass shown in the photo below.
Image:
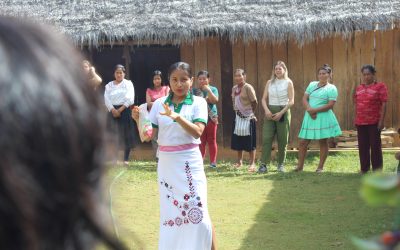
(271, 211)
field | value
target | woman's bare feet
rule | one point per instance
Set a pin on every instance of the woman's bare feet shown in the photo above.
(252, 168)
(298, 169)
(238, 164)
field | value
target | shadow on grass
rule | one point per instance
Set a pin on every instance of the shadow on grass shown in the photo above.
(308, 210)
(270, 211)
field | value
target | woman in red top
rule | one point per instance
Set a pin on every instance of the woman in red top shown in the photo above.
(370, 100)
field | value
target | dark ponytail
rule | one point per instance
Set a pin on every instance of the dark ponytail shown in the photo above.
(369, 67)
(182, 66)
(327, 68)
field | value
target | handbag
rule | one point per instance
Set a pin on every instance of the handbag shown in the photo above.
(242, 125)
(145, 127)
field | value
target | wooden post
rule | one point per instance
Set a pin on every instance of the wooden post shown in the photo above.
(264, 67)
(384, 68)
(295, 68)
(226, 89)
(339, 65)
(396, 79)
(214, 69)
(353, 74)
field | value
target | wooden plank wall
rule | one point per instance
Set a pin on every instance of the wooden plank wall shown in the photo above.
(384, 64)
(296, 69)
(205, 55)
(396, 79)
(264, 53)
(345, 55)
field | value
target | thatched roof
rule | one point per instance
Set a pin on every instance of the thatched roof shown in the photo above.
(95, 21)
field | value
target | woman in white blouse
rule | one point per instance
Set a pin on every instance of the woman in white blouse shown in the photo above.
(277, 99)
(179, 119)
(119, 95)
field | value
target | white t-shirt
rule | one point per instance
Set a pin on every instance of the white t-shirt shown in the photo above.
(119, 94)
(170, 133)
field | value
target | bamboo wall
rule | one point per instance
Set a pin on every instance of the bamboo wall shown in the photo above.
(345, 55)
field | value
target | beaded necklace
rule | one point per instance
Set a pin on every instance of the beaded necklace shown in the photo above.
(238, 90)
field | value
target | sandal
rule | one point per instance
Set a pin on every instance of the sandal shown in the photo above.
(237, 165)
(252, 169)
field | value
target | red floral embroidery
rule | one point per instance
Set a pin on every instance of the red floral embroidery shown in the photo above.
(190, 209)
(178, 221)
(195, 215)
(185, 206)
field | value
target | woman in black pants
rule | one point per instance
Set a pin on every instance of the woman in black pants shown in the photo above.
(370, 100)
(119, 95)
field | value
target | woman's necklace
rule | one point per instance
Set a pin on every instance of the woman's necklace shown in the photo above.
(238, 90)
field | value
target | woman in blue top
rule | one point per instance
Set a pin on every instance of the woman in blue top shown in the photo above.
(210, 93)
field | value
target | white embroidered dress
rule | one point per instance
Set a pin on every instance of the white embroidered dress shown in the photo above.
(184, 220)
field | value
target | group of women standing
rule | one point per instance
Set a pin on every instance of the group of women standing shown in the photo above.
(184, 118)
(119, 95)
(319, 121)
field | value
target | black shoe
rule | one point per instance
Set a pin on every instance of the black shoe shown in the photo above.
(263, 169)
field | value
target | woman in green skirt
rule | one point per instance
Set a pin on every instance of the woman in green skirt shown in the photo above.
(319, 121)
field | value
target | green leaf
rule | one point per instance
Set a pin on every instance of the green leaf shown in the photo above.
(367, 244)
(381, 181)
(380, 190)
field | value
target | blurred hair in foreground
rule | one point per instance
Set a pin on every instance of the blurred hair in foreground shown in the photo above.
(51, 137)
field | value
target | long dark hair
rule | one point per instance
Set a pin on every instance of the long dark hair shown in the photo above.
(119, 66)
(182, 66)
(51, 137)
(156, 73)
(203, 73)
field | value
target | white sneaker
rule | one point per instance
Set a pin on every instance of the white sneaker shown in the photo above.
(281, 168)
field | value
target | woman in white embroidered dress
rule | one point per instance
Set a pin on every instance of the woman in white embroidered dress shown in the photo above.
(180, 119)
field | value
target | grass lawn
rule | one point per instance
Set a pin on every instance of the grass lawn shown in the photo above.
(270, 211)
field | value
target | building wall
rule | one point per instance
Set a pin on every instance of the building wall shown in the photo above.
(345, 55)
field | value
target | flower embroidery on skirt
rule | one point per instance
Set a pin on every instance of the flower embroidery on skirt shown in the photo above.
(189, 205)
